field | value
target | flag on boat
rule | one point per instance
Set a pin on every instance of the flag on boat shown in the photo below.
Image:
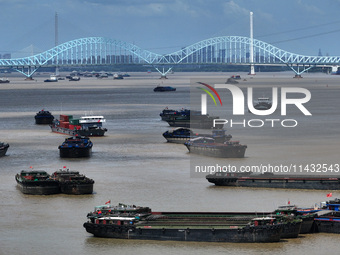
(108, 202)
(329, 194)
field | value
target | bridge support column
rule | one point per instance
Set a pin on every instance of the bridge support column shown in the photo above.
(252, 70)
(28, 73)
(335, 69)
(163, 74)
(298, 72)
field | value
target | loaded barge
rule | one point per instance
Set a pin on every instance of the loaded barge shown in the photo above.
(76, 147)
(133, 222)
(39, 182)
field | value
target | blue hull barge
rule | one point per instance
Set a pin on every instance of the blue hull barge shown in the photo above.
(76, 147)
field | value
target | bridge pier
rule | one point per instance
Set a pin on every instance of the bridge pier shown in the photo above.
(335, 69)
(163, 74)
(298, 72)
(252, 70)
(28, 73)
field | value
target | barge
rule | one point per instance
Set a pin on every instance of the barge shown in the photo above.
(73, 183)
(209, 146)
(76, 147)
(36, 182)
(43, 117)
(269, 180)
(132, 222)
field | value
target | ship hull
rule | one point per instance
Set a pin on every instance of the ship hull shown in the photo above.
(74, 188)
(179, 140)
(308, 225)
(39, 187)
(245, 235)
(328, 225)
(43, 120)
(81, 132)
(75, 152)
(218, 151)
(283, 183)
(291, 230)
(3, 150)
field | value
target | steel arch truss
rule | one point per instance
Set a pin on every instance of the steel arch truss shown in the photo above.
(217, 50)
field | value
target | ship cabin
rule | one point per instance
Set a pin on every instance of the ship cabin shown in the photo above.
(91, 119)
(333, 207)
(263, 221)
(34, 175)
(119, 221)
(180, 131)
(204, 140)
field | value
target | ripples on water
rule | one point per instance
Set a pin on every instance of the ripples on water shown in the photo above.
(133, 164)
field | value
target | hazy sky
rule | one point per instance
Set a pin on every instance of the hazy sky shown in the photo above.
(164, 26)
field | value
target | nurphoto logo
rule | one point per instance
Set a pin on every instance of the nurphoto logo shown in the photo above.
(239, 106)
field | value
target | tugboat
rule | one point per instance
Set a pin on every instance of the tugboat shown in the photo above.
(76, 147)
(163, 89)
(3, 148)
(269, 180)
(71, 182)
(83, 126)
(37, 182)
(43, 117)
(209, 146)
(132, 222)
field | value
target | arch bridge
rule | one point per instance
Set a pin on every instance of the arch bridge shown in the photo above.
(217, 50)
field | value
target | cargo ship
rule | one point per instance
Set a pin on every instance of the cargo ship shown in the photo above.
(37, 182)
(269, 180)
(43, 117)
(73, 183)
(83, 126)
(133, 222)
(76, 147)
